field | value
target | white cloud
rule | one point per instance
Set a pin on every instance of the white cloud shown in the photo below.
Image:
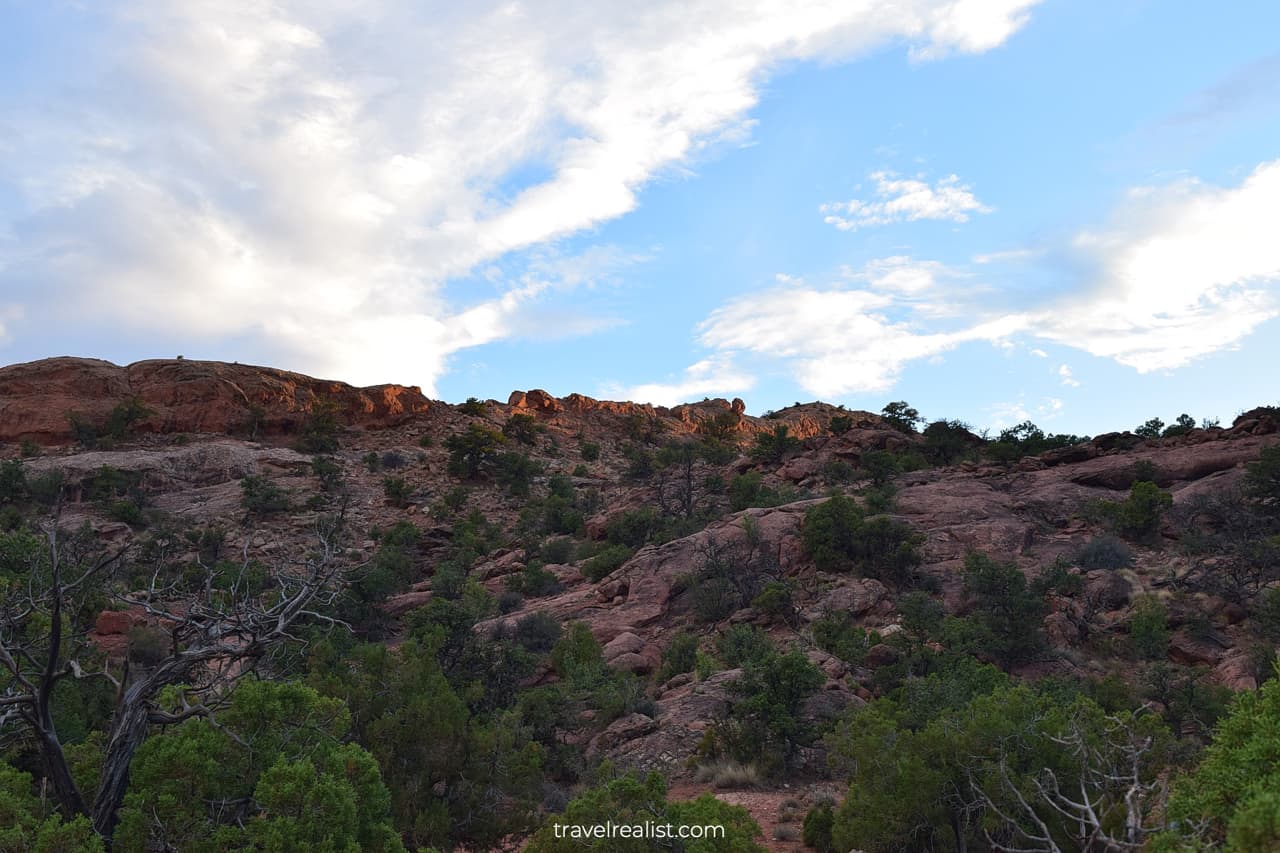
(1006, 256)
(306, 176)
(1184, 271)
(1009, 414)
(836, 341)
(903, 275)
(714, 375)
(905, 200)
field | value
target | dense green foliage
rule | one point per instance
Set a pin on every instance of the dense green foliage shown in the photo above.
(274, 774)
(471, 451)
(773, 447)
(26, 823)
(765, 726)
(840, 538)
(1231, 800)
(1138, 517)
(901, 416)
(975, 760)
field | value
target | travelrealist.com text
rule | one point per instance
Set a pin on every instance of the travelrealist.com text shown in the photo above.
(647, 830)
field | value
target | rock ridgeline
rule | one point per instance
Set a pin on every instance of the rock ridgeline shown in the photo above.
(36, 398)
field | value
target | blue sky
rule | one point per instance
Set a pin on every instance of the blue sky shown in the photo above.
(1061, 210)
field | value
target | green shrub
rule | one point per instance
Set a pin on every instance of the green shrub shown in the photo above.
(879, 465)
(29, 449)
(1104, 552)
(879, 499)
(372, 461)
(837, 472)
(538, 632)
(613, 556)
(680, 656)
(1262, 480)
(1138, 516)
(455, 499)
(522, 428)
(773, 447)
(1026, 439)
(947, 442)
(472, 451)
(560, 513)
(774, 600)
(397, 491)
(1005, 609)
(13, 482)
(632, 528)
(1182, 425)
(83, 430)
(765, 727)
(515, 472)
(817, 828)
(838, 538)
(590, 451)
(1230, 796)
(577, 655)
(714, 598)
(828, 532)
(558, 550)
(1149, 629)
(327, 470)
(746, 491)
(1150, 429)
(535, 581)
(260, 496)
(839, 424)
(126, 510)
(474, 407)
(581, 471)
(836, 634)
(743, 644)
(900, 416)
(1266, 612)
(639, 462)
(320, 428)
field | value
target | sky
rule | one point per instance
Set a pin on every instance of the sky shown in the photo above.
(997, 210)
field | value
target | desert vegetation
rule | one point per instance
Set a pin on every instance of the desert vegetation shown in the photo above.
(464, 627)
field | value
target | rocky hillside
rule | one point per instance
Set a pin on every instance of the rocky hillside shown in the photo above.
(665, 530)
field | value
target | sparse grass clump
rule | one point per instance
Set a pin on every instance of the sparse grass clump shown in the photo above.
(727, 775)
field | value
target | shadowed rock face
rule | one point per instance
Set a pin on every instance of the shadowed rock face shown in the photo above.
(185, 396)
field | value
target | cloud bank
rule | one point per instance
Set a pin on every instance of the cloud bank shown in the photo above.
(304, 178)
(1181, 272)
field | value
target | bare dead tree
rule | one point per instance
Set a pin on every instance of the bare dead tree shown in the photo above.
(216, 634)
(1106, 804)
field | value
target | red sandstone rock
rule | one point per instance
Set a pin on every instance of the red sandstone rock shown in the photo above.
(185, 396)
